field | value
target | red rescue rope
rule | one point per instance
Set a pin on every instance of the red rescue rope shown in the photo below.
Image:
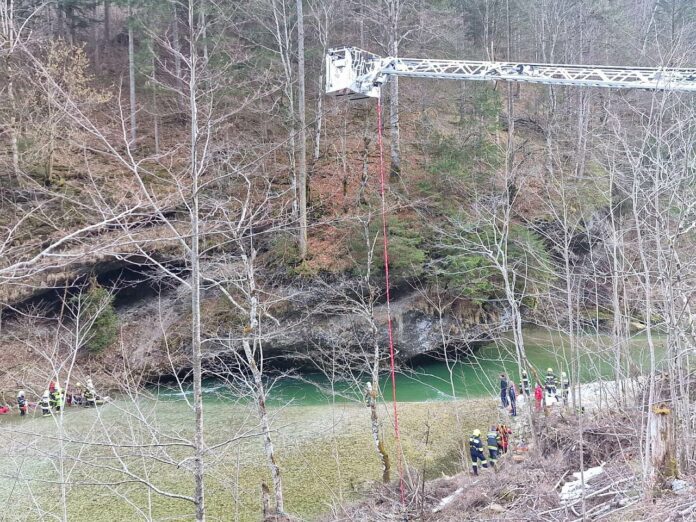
(389, 318)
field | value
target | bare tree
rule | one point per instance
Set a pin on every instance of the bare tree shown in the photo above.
(302, 153)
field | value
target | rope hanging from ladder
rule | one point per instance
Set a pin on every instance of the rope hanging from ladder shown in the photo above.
(385, 242)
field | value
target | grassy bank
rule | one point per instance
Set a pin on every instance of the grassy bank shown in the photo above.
(326, 454)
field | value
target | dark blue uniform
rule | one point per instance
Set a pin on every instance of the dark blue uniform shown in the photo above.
(493, 440)
(513, 400)
(476, 452)
(503, 391)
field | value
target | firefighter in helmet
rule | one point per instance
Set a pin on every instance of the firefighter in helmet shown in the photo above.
(476, 451)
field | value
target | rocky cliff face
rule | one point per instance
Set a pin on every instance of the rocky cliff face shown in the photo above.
(154, 331)
(157, 329)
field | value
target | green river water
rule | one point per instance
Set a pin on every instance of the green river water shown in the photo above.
(467, 377)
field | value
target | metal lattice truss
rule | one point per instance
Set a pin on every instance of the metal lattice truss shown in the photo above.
(358, 73)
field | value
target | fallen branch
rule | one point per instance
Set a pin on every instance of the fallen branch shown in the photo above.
(561, 480)
(591, 495)
(445, 501)
(618, 509)
(688, 510)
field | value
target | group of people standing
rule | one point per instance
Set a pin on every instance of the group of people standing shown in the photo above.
(54, 399)
(508, 390)
(497, 443)
(551, 385)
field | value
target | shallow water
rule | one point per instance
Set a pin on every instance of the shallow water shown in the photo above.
(461, 377)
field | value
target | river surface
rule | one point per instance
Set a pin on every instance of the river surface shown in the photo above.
(459, 378)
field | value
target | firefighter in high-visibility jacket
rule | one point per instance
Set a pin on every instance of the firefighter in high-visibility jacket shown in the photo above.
(476, 451)
(58, 398)
(493, 440)
(22, 403)
(551, 383)
(45, 403)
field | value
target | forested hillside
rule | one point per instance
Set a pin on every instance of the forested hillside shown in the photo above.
(181, 201)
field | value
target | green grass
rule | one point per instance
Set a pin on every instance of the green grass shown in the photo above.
(326, 455)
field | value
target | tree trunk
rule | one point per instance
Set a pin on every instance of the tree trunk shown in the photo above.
(155, 116)
(258, 386)
(60, 22)
(618, 331)
(649, 449)
(107, 22)
(196, 356)
(365, 176)
(177, 57)
(317, 125)
(302, 160)
(395, 141)
(266, 430)
(372, 395)
(12, 124)
(661, 439)
(94, 37)
(131, 77)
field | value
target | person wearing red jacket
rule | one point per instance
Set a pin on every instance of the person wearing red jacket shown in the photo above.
(504, 433)
(538, 396)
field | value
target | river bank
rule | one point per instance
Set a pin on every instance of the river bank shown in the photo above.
(541, 477)
(326, 454)
(323, 441)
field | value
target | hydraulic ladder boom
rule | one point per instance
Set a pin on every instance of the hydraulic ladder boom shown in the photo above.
(358, 74)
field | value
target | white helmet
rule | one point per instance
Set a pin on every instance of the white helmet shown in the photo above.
(46, 394)
(21, 393)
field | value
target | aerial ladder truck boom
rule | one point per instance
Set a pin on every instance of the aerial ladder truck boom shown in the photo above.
(359, 74)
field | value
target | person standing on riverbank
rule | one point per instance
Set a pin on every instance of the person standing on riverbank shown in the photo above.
(525, 384)
(503, 391)
(538, 396)
(45, 403)
(504, 433)
(22, 403)
(551, 383)
(512, 394)
(493, 440)
(476, 451)
(565, 386)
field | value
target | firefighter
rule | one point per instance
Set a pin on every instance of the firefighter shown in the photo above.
(476, 451)
(54, 396)
(22, 403)
(565, 386)
(493, 440)
(78, 396)
(525, 383)
(45, 403)
(92, 398)
(551, 383)
(89, 399)
(59, 398)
